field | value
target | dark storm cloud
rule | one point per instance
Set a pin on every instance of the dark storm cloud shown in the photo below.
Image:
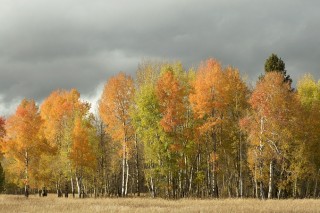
(45, 45)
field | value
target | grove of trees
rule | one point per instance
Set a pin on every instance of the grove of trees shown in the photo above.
(171, 133)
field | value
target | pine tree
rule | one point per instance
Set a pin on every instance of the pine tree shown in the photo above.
(276, 64)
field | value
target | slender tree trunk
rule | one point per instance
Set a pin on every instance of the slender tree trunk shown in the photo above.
(72, 187)
(214, 168)
(137, 167)
(270, 180)
(260, 159)
(78, 180)
(26, 185)
(66, 188)
(295, 188)
(127, 177)
(261, 190)
(256, 181)
(240, 167)
(153, 193)
(316, 185)
(123, 169)
(190, 181)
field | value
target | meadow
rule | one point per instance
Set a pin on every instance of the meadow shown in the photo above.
(14, 203)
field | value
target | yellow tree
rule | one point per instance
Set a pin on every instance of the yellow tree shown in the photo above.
(208, 103)
(233, 145)
(22, 141)
(307, 156)
(115, 102)
(81, 153)
(59, 112)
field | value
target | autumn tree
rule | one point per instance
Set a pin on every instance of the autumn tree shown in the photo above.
(171, 95)
(306, 156)
(2, 134)
(59, 112)
(233, 142)
(22, 141)
(269, 128)
(81, 153)
(114, 105)
(208, 103)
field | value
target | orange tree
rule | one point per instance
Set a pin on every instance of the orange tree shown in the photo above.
(23, 142)
(115, 102)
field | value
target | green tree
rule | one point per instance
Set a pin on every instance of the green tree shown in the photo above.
(276, 64)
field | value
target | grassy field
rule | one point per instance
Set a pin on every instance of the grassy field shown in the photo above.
(13, 203)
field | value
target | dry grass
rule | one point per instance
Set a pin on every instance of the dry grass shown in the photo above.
(13, 203)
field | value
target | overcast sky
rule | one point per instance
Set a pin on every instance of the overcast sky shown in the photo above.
(46, 45)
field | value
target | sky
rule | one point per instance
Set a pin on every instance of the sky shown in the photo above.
(47, 45)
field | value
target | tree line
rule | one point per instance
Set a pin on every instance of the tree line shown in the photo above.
(171, 133)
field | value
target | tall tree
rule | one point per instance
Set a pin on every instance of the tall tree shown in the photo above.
(114, 105)
(276, 64)
(306, 157)
(59, 112)
(2, 134)
(270, 128)
(146, 120)
(171, 94)
(81, 153)
(23, 142)
(208, 103)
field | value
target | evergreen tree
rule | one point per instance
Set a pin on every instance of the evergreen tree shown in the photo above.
(276, 64)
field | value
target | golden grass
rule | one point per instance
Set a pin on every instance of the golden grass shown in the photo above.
(14, 203)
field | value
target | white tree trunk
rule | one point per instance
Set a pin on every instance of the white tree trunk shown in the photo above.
(270, 180)
(127, 177)
(26, 185)
(78, 180)
(123, 170)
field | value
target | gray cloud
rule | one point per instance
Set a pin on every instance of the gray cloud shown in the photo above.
(46, 45)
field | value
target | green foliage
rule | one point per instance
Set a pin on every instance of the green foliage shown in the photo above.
(308, 91)
(276, 64)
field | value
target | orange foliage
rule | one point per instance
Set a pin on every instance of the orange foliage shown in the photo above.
(207, 99)
(170, 94)
(270, 98)
(2, 127)
(81, 153)
(23, 141)
(58, 108)
(114, 106)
